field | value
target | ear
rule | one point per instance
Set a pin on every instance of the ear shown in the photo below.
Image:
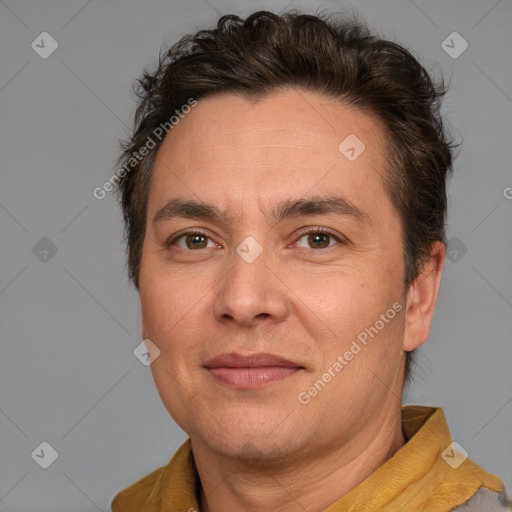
(422, 298)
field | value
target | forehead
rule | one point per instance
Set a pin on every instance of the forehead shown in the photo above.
(230, 151)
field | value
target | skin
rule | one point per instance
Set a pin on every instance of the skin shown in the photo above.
(262, 449)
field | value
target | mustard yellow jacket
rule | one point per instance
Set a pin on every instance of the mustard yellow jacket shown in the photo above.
(428, 474)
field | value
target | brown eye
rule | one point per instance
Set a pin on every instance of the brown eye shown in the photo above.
(318, 239)
(192, 241)
(195, 241)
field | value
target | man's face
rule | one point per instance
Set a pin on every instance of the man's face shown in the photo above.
(258, 281)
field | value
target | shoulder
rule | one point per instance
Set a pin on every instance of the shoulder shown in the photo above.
(139, 494)
(177, 481)
(488, 500)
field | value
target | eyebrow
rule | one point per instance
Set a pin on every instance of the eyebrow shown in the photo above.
(289, 209)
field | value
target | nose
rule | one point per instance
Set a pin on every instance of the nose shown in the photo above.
(250, 292)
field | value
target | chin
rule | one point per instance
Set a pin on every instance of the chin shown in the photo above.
(253, 439)
(253, 451)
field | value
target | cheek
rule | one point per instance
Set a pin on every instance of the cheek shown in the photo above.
(162, 292)
(174, 313)
(335, 309)
(360, 302)
(153, 303)
(163, 304)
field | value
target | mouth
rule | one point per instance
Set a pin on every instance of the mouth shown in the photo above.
(250, 372)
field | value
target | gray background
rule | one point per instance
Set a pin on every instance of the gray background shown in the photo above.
(70, 321)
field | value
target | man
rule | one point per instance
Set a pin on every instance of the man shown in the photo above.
(284, 193)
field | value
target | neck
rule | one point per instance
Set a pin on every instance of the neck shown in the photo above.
(312, 485)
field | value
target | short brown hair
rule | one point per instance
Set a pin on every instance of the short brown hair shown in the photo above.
(336, 57)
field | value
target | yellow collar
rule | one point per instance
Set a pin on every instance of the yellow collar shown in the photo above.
(418, 477)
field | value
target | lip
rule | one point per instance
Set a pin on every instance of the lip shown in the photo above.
(262, 359)
(250, 372)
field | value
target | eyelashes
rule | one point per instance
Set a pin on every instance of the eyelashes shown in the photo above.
(313, 233)
(321, 231)
(195, 233)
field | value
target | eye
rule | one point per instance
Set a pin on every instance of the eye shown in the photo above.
(319, 238)
(191, 240)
